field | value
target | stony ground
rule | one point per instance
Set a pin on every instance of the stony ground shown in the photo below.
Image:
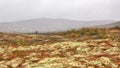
(85, 54)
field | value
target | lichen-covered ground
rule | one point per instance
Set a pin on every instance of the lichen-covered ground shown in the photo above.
(86, 54)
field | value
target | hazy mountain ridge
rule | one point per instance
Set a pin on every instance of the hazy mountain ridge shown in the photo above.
(47, 25)
(109, 25)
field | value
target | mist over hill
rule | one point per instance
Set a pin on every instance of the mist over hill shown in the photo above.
(43, 25)
(109, 25)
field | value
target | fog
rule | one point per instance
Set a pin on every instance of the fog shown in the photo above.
(13, 10)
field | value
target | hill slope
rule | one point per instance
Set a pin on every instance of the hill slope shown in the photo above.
(109, 25)
(47, 25)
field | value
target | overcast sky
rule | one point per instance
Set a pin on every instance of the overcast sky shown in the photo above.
(12, 10)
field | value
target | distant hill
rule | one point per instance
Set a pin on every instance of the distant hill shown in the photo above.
(47, 25)
(108, 25)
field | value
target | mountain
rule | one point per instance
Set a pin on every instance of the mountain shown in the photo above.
(47, 25)
(109, 25)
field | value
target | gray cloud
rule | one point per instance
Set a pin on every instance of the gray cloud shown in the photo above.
(11, 10)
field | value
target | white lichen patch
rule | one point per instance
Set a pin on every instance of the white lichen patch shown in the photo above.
(61, 55)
